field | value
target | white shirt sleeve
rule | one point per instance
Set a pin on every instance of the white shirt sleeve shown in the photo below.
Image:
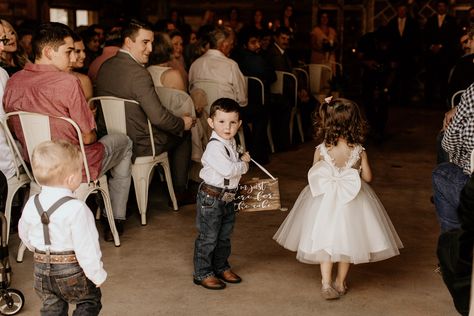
(86, 245)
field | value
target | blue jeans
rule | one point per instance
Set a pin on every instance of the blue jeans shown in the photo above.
(64, 284)
(215, 223)
(118, 159)
(448, 181)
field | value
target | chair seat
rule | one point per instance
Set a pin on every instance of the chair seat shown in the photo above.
(150, 159)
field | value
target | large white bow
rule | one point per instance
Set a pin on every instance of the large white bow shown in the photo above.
(344, 184)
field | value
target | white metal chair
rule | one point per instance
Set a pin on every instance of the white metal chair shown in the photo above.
(278, 88)
(319, 77)
(454, 98)
(213, 92)
(300, 71)
(114, 114)
(36, 129)
(21, 178)
(261, 87)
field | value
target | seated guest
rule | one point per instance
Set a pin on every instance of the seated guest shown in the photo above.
(162, 74)
(7, 165)
(25, 34)
(215, 65)
(455, 252)
(80, 52)
(177, 60)
(91, 41)
(450, 177)
(113, 41)
(47, 87)
(13, 58)
(125, 76)
(462, 73)
(252, 63)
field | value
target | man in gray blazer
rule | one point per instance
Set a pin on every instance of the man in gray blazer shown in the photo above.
(125, 76)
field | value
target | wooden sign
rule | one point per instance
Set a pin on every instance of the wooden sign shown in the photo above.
(258, 195)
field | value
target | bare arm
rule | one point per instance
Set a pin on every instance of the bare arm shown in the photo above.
(366, 173)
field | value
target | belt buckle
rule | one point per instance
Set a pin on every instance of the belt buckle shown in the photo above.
(228, 197)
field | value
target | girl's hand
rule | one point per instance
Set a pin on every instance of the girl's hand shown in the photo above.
(245, 157)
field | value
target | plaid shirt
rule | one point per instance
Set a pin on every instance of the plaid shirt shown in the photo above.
(458, 140)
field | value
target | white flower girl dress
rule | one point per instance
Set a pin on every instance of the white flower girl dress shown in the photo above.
(338, 217)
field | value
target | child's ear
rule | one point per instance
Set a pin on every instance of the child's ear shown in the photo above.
(210, 122)
(69, 179)
(240, 123)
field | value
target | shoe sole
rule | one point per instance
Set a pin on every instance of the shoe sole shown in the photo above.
(197, 282)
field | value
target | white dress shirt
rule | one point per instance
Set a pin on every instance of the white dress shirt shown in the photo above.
(441, 20)
(401, 25)
(6, 158)
(215, 66)
(219, 165)
(71, 227)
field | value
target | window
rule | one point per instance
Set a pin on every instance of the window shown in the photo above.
(73, 18)
(58, 15)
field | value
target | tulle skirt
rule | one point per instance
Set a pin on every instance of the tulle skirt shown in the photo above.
(321, 230)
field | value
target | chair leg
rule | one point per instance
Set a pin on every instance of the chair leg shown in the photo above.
(141, 193)
(21, 252)
(292, 123)
(104, 189)
(8, 210)
(169, 182)
(300, 126)
(270, 138)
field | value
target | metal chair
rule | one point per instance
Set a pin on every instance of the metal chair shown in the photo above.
(22, 175)
(261, 90)
(114, 115)
(36, 129)
(319, 77)
(213, 92)
(278, 88)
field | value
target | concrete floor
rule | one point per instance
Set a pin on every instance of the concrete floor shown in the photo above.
(151, 273)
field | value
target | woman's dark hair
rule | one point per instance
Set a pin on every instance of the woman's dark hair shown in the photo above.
(175, 33)
(340, 118)
(162, 49)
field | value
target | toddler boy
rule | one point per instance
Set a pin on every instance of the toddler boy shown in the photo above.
(221, 172)
(62, 233)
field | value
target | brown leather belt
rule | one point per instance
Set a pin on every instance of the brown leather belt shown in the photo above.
(216, 191)
(41, 257)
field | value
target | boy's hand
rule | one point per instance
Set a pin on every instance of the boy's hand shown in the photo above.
(245, 157)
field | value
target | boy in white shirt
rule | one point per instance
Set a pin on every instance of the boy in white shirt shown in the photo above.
(221, 172)
(67, 259)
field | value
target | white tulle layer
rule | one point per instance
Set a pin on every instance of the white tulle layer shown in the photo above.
(359, 231)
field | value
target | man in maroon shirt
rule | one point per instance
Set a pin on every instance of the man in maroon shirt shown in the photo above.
(46, 87)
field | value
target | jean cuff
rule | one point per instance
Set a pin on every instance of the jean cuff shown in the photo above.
(200, 278)
(222, 270)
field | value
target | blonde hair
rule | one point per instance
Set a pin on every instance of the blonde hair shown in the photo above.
(53, 161)
(20, 58)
